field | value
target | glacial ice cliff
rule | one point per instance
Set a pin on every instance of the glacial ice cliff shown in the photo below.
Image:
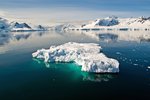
(87, 55)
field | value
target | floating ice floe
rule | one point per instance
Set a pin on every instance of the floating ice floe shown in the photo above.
(87, 55)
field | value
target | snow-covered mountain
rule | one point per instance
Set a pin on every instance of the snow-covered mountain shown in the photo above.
(4, 25)
(141, 22)
(64, 27)
(109, 21)
(16, 26)
(40, 27)
(119, 23)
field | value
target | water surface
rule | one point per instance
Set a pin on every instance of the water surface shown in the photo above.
(25, 78)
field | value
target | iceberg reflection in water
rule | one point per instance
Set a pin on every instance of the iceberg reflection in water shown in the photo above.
(98, 77)
(71, 67)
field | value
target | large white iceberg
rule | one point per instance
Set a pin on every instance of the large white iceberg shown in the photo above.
(87, 55)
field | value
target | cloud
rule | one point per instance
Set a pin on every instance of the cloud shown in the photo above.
(2, 13)
(63, 14)
(59, 14)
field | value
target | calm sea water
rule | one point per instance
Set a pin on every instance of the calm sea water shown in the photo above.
(25, 78)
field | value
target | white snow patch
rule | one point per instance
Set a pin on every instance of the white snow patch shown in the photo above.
(87, 55)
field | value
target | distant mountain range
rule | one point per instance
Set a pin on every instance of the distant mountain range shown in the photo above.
(115, 23)
(140, 22)
(5, 25)
(109, 23)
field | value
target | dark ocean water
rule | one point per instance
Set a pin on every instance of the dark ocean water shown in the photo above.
(25, 78)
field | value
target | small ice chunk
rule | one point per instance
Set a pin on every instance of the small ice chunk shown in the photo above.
(148, 67)
(135, 64)
(87, 55)
(118, 53)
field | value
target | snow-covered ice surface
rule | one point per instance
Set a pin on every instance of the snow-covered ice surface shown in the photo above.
(87, 55)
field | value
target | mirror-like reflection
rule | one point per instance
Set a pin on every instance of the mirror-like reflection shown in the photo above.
(106, 36)
(6, 37)
(15, 40)
(111, 36)
(77, 71)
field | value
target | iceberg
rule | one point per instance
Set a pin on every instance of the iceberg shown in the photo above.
(86, 55)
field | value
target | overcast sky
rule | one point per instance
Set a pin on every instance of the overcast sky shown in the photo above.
(46, 11)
